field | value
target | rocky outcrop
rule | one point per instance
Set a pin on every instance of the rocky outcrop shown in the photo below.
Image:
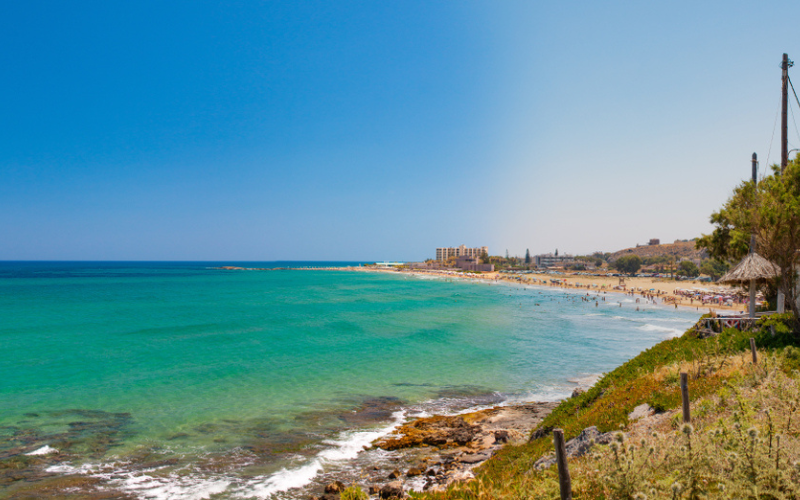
(576, 447)
(392, 490)
(436, 431)
(641, 411)
(336, 487)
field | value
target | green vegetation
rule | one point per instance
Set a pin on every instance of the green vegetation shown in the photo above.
(771, 211)
(744, 441)
(714, 268)
(688, 268)
(353, 493)
(628, 264)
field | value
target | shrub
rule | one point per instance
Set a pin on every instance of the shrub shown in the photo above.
(353, 493)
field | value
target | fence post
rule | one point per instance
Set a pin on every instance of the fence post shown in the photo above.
(685, 397)
(561, 459)
(753, 350)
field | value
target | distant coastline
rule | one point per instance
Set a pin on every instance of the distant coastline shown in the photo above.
(654, 290)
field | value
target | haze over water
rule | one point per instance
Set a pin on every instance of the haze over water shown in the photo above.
(274, 374)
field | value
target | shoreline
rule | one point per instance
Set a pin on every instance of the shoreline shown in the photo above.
(654, 291)
(429, 453)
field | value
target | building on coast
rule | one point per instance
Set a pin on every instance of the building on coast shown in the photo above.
(473, 264)
(554, 260)
(442, 254)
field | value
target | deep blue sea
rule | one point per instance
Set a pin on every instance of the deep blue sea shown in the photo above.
(179, 380)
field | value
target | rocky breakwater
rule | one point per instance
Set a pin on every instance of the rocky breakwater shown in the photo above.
(431, 453)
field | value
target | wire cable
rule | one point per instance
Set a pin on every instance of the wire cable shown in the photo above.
(797, 131)
(774, 126)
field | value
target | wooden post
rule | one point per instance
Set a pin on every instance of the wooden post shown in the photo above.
(753, 350)
(561, 459)
(685, 397)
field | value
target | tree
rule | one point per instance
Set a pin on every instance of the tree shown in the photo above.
(628, 264)
(771, 211)
(527, 256)
(485, 258)
(714, 268)
(688, 268)
(598, 262)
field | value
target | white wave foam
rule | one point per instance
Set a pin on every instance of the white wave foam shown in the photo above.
(347, 447)
(144, 484)
(44, 450)
(172, 486)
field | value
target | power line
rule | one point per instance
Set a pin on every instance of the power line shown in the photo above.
(797, 131)
(774, 125)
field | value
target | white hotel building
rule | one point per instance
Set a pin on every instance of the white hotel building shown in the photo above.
(443, 254)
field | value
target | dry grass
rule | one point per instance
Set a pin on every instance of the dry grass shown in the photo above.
(744, 441)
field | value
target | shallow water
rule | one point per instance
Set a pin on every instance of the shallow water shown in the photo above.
(177, 380)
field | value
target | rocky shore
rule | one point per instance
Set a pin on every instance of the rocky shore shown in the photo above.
(431, 453)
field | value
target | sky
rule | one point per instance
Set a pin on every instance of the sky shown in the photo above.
(293, 130)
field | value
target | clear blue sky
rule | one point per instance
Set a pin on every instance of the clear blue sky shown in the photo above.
(268, 130)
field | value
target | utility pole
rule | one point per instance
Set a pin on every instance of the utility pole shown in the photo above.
(752, 305)
(785, 65)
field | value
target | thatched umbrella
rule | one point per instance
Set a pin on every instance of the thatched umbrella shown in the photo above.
(751, 269)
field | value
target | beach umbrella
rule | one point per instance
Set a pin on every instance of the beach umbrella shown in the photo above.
(751, 269)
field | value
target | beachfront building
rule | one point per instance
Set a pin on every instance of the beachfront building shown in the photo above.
(442, 254)
(551, 260)
(473, 264)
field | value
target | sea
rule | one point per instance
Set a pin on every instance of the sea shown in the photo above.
(181, 380)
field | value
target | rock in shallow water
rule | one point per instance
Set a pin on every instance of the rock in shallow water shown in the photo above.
(392, 490)
(335, 487)
(414, 471)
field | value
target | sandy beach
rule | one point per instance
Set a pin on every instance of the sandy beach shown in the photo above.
(657, 291)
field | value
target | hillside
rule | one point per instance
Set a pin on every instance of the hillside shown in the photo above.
(634, 444)
(678, 249)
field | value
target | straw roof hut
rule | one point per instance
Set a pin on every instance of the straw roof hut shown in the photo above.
(752, 267)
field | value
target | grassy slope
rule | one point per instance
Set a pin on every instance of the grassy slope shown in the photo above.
(509, 473)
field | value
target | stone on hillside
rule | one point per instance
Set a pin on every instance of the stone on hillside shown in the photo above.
(576, 447)
(643, 410)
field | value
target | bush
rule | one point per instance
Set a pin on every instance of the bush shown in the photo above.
(660, 402)
(353, 493)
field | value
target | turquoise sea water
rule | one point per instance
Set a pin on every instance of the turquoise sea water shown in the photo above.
(248, 383)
